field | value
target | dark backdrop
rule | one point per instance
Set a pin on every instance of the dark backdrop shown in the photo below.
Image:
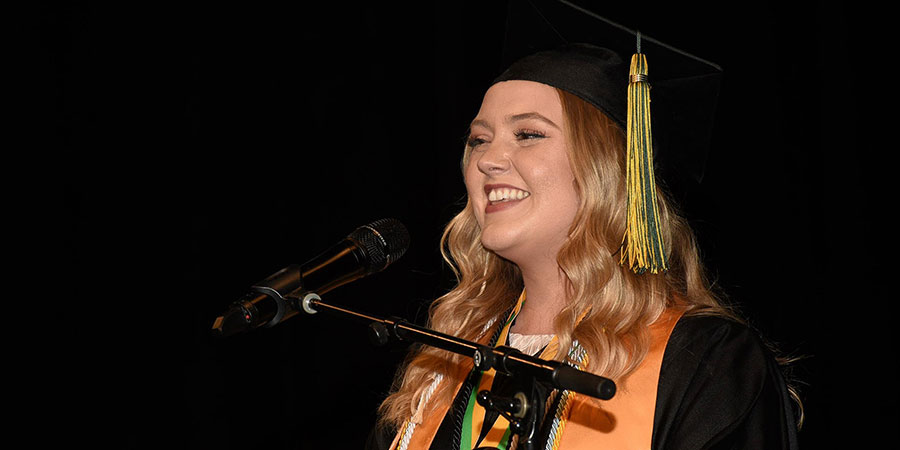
(194, 148)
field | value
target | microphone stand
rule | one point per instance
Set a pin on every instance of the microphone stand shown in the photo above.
(525, 410)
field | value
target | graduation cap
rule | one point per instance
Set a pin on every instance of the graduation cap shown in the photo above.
(563, 45)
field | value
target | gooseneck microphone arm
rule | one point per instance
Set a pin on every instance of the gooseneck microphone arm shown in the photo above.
(525, 411)
(503, 359)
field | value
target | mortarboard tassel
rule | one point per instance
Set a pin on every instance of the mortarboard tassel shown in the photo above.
(642, 244)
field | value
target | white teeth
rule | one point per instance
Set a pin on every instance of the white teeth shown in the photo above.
(504, 194)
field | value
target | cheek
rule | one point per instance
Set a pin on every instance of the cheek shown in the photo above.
(556, 179)
(553, 176)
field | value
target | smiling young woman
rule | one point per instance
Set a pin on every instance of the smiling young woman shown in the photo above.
(560, 245)
(538, 256)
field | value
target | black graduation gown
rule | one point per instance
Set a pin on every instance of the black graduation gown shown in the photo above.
(719, 388)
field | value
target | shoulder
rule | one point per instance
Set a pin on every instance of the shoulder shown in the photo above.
(718, 382)
(704, 337)
(712, 352)
(710, 341)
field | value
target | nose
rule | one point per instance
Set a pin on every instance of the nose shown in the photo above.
(494, 159)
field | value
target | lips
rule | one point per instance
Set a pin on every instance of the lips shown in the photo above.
(502, 196)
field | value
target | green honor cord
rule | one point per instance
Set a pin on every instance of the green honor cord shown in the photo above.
(466, 438)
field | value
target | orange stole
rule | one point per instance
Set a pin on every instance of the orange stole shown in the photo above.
(621, 423)
(625, 421)
(499, 427)
(425, 431)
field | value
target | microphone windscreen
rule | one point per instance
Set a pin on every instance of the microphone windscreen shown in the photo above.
(384, 242)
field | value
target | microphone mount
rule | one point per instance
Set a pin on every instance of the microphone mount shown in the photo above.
(535, 377)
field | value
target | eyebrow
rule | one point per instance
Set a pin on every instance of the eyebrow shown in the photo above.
(531, 115)
(516, 118)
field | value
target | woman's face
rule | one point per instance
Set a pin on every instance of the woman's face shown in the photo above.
(518, 176)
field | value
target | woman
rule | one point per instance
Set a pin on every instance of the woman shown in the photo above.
(538, 251)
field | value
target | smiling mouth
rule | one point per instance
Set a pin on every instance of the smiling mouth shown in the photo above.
(505, 194)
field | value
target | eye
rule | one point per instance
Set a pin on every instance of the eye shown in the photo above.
(527, 135)
(473, 142)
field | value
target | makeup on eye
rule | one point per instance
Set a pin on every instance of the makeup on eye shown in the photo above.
(524, 134)
(472, 142)
(528, 134)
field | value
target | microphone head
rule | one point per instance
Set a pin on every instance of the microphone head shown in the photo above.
(384, 241)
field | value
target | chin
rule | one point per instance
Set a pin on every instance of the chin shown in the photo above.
(500, 242)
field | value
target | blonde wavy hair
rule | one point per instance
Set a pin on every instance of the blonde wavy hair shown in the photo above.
(619, 304)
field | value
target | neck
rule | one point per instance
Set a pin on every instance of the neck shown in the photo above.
(545, 291)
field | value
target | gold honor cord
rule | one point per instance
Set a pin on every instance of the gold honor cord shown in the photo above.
(578, 357)
(500, 435)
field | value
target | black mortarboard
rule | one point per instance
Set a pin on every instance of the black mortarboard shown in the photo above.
(563, 45)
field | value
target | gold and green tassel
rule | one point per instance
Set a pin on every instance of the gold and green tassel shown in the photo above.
(642, 246)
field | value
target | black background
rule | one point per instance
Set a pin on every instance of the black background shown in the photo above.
(193, 148)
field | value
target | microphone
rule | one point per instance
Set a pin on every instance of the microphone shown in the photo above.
(368, 249)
